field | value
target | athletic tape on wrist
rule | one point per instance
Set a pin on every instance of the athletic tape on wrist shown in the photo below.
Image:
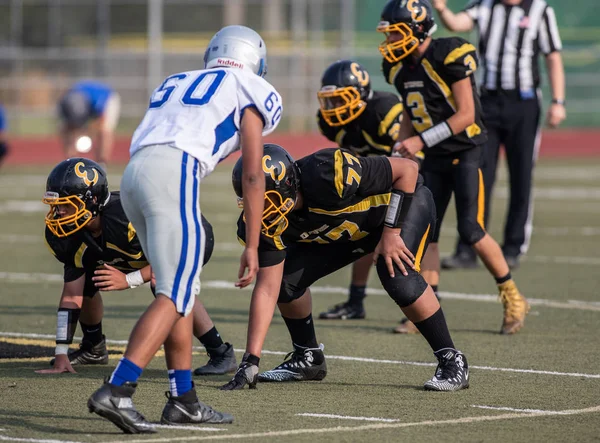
(398, 208)
(66, 323)
(437, 134)
(61, 350)
(134, 279)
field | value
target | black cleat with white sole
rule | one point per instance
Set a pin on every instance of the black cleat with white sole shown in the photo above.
(115, 404)
(89, 354)
(452, 372)
(299, 365)
(187, 409)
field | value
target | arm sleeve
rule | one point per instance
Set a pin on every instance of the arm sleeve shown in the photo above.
(376, 176)
(549, 37)
(257, 93)
(460, 62)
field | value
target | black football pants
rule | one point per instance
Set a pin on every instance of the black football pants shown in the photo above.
(514, 123)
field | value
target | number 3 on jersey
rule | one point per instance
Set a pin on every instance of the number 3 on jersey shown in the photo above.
(207, 83)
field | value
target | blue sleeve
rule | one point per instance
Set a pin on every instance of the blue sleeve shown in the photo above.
(2, 119)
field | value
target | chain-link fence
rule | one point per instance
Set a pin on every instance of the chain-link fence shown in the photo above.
(46, 45)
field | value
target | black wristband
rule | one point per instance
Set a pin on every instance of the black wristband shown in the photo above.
(557, 101)
(66, 324)
(398, 208)
(251, 358)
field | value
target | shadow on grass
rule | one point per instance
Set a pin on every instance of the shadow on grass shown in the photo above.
(27, 421)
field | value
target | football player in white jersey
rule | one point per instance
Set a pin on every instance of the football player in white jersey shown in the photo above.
(195, 119)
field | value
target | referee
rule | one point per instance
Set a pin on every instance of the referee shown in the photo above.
(511, 34)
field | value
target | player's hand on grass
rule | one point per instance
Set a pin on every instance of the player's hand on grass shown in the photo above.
(409, 147)
(249, 261)
(247, 374)
(110, 279)
(61, 364)
(393, 250)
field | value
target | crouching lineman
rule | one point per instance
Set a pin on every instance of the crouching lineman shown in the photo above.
(88, 231)
(322, 213)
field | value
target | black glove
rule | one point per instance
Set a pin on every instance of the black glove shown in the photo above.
(247, 373)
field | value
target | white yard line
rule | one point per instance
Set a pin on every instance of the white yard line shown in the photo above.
(347, 358)
(348, 417)
(35, 440)
(187, 428)
(25, 277)
(504, 408)
(371, 427)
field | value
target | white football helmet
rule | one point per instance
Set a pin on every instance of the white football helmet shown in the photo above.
(239, 47)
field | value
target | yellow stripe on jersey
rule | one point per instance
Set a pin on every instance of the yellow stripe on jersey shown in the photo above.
(394, 72)
(421, 249)
(116, 248)
(434, 76)
(458, 53)
(278, 242)
(79, 256)
(137, 264)
(372, 142)
(130, 232)
(473, 130)
(389, 118)
(481, 202)
(338, 168)
(242, 242)
(372, 201)
(339, 137)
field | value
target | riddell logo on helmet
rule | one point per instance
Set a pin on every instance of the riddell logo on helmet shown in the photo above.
(229, 62)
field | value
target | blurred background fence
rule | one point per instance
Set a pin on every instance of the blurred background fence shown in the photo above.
(46, 45)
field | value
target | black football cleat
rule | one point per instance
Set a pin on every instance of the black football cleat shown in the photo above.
(452, 372)
(221, 361)
(343, 311)
(187, 409)
(460, 261)
(88, 354)
(299, 365)
(115, 404)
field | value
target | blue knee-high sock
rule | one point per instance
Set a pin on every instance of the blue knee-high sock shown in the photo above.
(126, 371)
(180, 381)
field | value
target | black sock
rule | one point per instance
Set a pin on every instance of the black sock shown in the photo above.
(435, 331)
(302, 331)
(211, 339)
(500, 280)
(357, 295)
(92, 333)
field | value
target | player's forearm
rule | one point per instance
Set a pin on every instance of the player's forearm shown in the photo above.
(460, 22)
(404, 174)
(406, 128)
(253, 188)
(556, 74)
(461, 120)
(69, 309)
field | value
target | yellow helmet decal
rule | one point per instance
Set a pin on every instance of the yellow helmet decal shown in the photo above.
(83, 174)
(271, 168)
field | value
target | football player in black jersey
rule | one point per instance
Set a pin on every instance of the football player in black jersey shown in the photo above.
(366, 122)
(88, 231)
(436, 82)
(322, 213)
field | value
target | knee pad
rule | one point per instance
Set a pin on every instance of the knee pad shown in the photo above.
(470, 231)
(289, 292)
(403, 289)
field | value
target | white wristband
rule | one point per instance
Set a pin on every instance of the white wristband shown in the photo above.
(437, 134)
(61, 350)
(134, 279)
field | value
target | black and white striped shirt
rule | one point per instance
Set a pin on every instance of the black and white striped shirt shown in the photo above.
(510, 41)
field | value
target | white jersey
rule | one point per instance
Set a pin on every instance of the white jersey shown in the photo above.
(199, 112)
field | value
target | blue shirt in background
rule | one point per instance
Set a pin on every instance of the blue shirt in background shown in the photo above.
(2, 119)
(97, 92)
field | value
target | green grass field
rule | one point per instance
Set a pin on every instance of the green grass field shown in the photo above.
(542, 384)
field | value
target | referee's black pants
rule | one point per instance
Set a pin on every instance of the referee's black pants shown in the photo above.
(514, 123)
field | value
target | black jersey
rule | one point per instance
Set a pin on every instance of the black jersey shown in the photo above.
(118, 245)
(345, 199)
(374, 131)
(426, 89)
